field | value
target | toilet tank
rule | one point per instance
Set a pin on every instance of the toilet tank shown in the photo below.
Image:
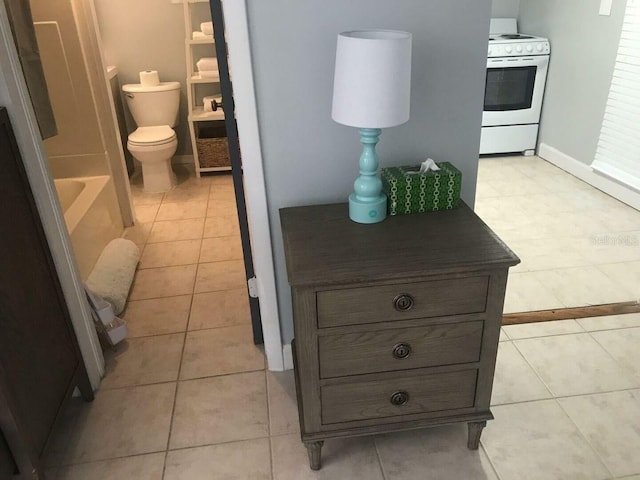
(153, 105)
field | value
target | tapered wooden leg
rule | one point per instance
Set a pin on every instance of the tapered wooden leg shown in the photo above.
(475, 430)
(314, 449)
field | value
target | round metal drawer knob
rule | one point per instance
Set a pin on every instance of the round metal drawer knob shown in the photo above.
(399, 398)
(401, 350)
(403, 302)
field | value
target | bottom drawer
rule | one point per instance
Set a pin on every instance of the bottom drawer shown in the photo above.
(398, 396)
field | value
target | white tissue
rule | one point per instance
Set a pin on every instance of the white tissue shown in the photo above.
(149, 78)
(425, 166)
(207, 28)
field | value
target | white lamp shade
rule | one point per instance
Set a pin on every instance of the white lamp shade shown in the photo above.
(372, 83)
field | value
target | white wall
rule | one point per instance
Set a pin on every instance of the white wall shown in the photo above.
(147, 35)
(308, 158)
(505, 8)
(583, 52)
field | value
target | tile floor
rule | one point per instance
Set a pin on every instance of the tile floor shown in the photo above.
(187, 396)
(578, 245)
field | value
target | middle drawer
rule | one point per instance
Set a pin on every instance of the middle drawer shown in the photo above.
(399, 349)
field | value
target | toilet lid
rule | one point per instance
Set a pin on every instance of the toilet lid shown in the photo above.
(157, 135)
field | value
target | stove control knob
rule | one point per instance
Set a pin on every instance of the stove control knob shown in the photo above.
(508, 49)
(519, 48)
(539, 47)
(529, 48)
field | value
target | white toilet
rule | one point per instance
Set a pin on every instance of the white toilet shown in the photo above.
(155, 110)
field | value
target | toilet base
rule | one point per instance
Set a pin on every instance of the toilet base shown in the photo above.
(158, 177)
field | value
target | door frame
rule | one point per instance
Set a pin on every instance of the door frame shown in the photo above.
(13, 92)
(238, 44)
(15, 96)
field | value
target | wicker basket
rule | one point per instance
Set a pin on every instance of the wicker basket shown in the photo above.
(213, 149)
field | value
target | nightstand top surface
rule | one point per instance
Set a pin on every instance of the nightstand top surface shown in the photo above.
(323, 246)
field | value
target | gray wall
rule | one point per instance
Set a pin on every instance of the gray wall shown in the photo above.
(147, 35)
(308, 158)
(505, 8)
(583, 51)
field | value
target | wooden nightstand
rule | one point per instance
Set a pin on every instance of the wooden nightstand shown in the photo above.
(396, 323)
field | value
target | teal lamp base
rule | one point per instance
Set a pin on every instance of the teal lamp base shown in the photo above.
(368, 203)
(369, 211)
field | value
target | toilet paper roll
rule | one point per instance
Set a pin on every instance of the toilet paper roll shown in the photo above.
(149, 78)
(207, 64)
(207, 102)
(207, 28)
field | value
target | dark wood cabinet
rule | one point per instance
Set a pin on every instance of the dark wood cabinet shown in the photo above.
(40, 361)
(396, 323)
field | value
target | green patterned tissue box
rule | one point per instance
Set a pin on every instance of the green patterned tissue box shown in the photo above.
(421, 192)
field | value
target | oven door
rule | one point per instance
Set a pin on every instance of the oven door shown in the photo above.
(513, 90)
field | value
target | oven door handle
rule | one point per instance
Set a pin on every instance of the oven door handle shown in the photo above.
(505, 62)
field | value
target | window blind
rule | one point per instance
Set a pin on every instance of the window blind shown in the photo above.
(618, 150)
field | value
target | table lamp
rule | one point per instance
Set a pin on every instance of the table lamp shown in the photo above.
(371, 91)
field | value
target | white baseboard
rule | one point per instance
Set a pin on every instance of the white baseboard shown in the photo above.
(287, 355)
(587, 174)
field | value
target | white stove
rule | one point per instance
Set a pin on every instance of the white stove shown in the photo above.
(516, 74)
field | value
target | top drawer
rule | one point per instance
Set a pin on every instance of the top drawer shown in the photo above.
(353, 306)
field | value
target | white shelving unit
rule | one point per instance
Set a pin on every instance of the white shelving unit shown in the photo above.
(195, 49)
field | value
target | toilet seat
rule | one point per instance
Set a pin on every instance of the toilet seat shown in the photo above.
(152, 136)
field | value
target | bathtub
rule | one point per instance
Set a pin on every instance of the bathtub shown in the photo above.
(92, 216)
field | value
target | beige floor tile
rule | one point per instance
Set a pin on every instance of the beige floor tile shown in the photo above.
(353, 459)
(283, 408)
(147, 467)
(121, 422)
(139, 197)
(170, 231)
(536, 441)
(224, 308)
(542, 329)
(611, 248)
(157, 316)
(220, 409)
(610, 322)
(220, 351)
(188, 193)
(225, 207)
(182, 211)
(224, 193)
(168, 254)
(580, 286)
(432, 454)
(163, 282)
(546, 255)
(248, 460)
(146, 213)
(216, 276)
(606, 420)
(503, 335)
(60, 435)
(526, 292)
(518, 185)
(574, 365)
(627, 275)
(221, 226)
(138, 234)
(142, 361)
(222, 180)
(514, 380)
(623, 345)
(220, 249)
